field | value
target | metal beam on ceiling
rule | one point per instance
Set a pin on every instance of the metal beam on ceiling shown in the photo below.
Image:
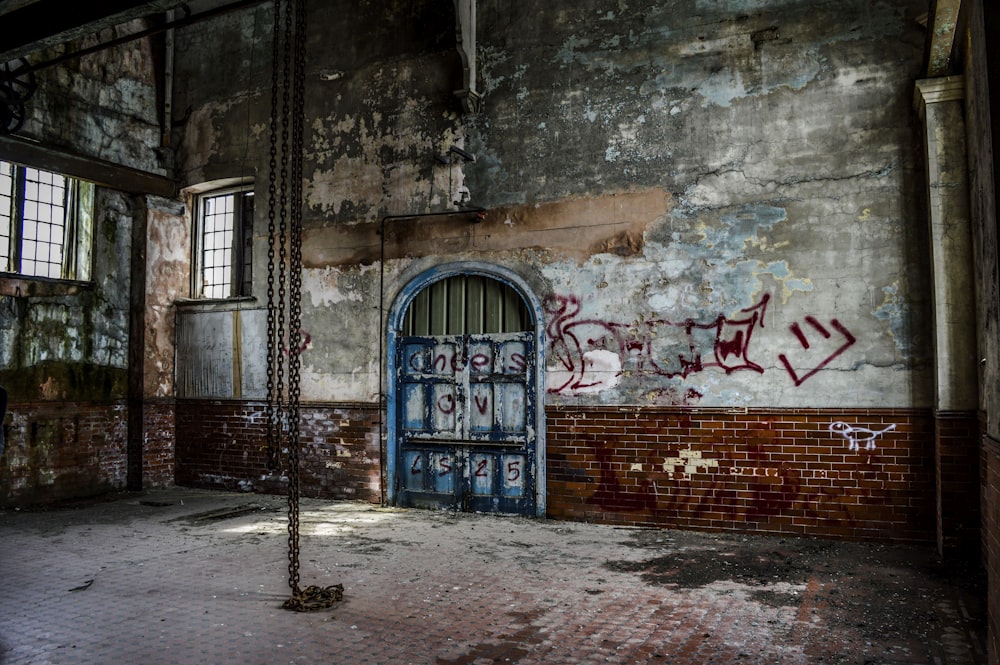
(89, 168)
(46, 23)
(95, 170)
(140, 34)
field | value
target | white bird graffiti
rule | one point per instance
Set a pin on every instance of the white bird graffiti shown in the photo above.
(858, 435)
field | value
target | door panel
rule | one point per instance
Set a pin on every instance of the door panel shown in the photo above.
(413, 470)
(481, 408)
(463, 422)
(444, 410)
(482, 466)
(511, 408)
(512, 468)
(442, 472)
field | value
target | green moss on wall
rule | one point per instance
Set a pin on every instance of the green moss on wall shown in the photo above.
(59, 381)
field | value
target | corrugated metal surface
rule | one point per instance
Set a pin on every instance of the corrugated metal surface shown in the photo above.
(221, 353)
(205, 354)
(466, 304)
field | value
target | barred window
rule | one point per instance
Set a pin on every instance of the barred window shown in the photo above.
(45, 223)
(223, 244)
(466, 304)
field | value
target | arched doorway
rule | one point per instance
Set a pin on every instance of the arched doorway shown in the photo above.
(465, 425)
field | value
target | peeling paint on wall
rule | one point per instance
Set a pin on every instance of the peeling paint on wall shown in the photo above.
(323, 288)
(168, 279)
(72, 344)
(895, 311)
(105, 103)
(655, 168)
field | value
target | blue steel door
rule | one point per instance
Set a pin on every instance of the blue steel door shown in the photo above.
(464, 422)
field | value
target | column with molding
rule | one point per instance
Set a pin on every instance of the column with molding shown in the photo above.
(939, 101)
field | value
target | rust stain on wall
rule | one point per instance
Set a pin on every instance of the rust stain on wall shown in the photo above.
(582, 227)
(572, 228)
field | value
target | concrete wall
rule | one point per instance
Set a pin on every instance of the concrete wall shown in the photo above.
(106, 105)
(64, 346)
(982, 100)
(63, 357)
(721, 206)
(648, 169)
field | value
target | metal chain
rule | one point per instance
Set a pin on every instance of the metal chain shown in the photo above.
(280, 307)
(273, 403)
(290, 269)
(288, 203)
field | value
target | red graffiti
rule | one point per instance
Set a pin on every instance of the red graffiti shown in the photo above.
(482, 403)
(611, 495)
(751, 493)
(722, 342)
(444, 464)
(517, 363)
(776, 492)
(304, 339)
(646, 347)
(481, 468)
(479, 361)
(444, 361)
(827, 336)
(446, 404)
(513, 471)
(415, 466)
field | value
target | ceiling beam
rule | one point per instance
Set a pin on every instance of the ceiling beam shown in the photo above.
(46, 23)
(190, 19)
(942, 26)
(95, 170)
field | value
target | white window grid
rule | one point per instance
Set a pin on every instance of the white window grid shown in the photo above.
(6, 211)
(218, 223)
(222, 254)
(44, 223)
(37, 210)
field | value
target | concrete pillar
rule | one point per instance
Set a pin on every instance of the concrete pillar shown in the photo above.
(940, 104)
(136, 348)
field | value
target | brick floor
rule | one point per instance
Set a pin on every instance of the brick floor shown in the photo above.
(165, 577)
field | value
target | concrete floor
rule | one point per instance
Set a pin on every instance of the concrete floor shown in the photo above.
(185, 576)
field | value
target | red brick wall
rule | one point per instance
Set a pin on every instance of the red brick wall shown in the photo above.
(767, 471)
(957, 461)
(62, 450)
(158, 424)
(223, 442)
(991, 538)
(340, 452)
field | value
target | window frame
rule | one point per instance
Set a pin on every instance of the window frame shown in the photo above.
(77, 214)
(240, 250)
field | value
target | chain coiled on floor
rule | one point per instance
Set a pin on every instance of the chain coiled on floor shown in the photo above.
(314, 598)
(285, 239)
